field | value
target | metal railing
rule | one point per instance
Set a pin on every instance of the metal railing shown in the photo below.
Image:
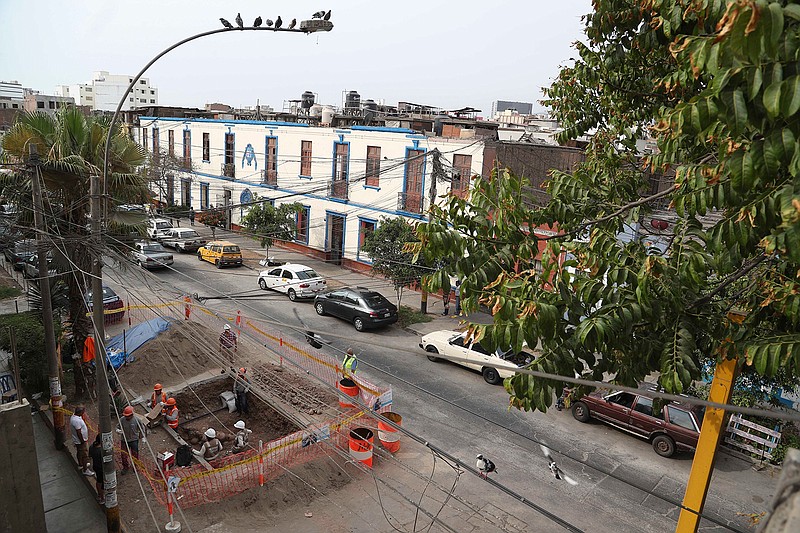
(229, 170)
(338, 189)
(269, 177)
(410, 202)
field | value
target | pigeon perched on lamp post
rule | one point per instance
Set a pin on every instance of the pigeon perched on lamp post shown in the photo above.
(554, 469)
(318, 14)
(257, 22)
(226, 23)
(292, 24)
(278, 22)
(485, 466)
(239, 21)
(327, 15)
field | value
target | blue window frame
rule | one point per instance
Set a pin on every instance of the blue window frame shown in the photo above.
(302, 225)
(365, 227)
(204, 196)
(271, 160)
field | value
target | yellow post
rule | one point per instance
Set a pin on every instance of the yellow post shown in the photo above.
(703, 465)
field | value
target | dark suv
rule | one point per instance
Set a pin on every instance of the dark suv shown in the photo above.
(361, 307)
(674, 426)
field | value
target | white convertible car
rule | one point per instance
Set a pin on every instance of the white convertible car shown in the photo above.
(476, 357)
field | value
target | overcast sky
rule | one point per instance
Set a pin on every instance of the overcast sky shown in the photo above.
(449, 54)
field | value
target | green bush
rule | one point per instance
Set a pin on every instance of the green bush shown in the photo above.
(30, 349)
(9, 292)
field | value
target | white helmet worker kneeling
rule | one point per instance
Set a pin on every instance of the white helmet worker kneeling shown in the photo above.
(211, 448)
(242, 436)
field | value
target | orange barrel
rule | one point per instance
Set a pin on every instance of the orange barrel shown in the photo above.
(361, 445)
(389, 436)
(349, 387)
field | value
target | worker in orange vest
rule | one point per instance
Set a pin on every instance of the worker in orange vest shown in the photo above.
(158, 396)
(171, 413)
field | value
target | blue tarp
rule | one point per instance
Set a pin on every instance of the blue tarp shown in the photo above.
(133, 339)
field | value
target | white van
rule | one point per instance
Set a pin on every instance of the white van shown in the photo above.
(158, 228)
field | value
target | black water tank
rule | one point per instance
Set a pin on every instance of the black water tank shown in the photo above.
(352, 100)
(307, 100)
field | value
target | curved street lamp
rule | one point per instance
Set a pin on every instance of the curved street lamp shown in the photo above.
(104, 410)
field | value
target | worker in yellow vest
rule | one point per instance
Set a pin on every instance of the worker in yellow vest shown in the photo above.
(349, 363)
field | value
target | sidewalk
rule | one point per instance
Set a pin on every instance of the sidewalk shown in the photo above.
(333, 273)
(69, 503)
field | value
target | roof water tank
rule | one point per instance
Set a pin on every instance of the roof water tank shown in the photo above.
(315, 111)
(371, 105)
(307, 100)
(327, 115)
(352, 100)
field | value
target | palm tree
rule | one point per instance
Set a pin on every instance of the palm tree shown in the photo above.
(71, 147)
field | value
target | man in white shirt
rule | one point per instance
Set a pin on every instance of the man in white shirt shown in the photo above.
(80, 438)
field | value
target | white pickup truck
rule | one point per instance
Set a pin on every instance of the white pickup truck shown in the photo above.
(183, 239)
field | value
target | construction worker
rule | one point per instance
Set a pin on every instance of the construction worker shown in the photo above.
(349, 363)
(228, 342)
(159, 397)
(242, 436)
(131, 431)
(80, 438)
(241, 386)
(170, 412)
(211, 448)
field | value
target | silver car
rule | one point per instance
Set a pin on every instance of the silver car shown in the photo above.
(151, 255)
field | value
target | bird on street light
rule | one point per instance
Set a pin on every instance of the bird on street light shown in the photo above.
(226, 23)
(318, 14)
(327, 15)
(239, 21)
(269, 23)
(278, 22)
(257, 22)
(292, 24)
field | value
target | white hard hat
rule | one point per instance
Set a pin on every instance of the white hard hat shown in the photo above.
(211, 434)
(226, 326)
(239, 424)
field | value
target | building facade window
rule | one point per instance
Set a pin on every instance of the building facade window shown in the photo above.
(341, 164)
(365, 227)
(462, 165)
(305, 158)
(204, 196)
(51, 105)
(152, 101)
(155, 141)
(171, 142)
(187, 149)
(229, 169)
(271, 161)
(411, 197)
(144, 138)
(206, 148)
(40, 105)
(303, 216)
(373, 172)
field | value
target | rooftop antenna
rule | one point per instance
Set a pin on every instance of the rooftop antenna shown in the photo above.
(258, 109)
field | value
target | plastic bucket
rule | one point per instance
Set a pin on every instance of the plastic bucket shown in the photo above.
(349, 387)
(387, 435)
(361, 440)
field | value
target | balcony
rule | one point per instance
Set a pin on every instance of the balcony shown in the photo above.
(410, 202)
(229, 170)
(269, 177)
(186, 163)
(338, 189)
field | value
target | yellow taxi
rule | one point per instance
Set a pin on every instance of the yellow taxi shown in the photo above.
(220, 253)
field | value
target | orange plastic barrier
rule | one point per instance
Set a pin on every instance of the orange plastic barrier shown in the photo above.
(389, 436)
(361, 445)
(349, 387)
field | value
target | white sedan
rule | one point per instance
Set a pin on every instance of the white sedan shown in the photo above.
(296, 280)
(476, 357)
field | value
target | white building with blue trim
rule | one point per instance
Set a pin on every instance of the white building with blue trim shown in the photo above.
(346, 178)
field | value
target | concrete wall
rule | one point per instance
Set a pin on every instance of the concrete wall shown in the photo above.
(22, 508)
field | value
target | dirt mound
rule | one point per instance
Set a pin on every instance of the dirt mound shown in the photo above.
(179, 353)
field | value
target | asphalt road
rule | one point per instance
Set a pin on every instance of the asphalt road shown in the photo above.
(620, 477)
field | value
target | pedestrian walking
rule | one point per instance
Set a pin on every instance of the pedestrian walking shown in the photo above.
(446, 298)
(240, 389)
(191, 216)
(80, 438)
(96, 453)
(131, 431)
(228, 343)
(457, 292)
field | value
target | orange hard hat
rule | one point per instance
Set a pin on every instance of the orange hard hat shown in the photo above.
(158, 386)
(128, 411)
(171, 401)
(243, 370)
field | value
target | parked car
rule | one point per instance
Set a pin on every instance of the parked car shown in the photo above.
(362, 307)
(113, 306)
(670, 427)
(157, 228)
(183, 240)
(453, 344)
(295, 280)
(151, 255)
(30, 268)
(20, 252)
(220, 253)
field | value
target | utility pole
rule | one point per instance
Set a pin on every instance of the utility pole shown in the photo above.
(47, 302)
(103, 396)
(436, 175)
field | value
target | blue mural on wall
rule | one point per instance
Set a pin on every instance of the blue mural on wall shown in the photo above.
(246, 197)
(250, 157)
